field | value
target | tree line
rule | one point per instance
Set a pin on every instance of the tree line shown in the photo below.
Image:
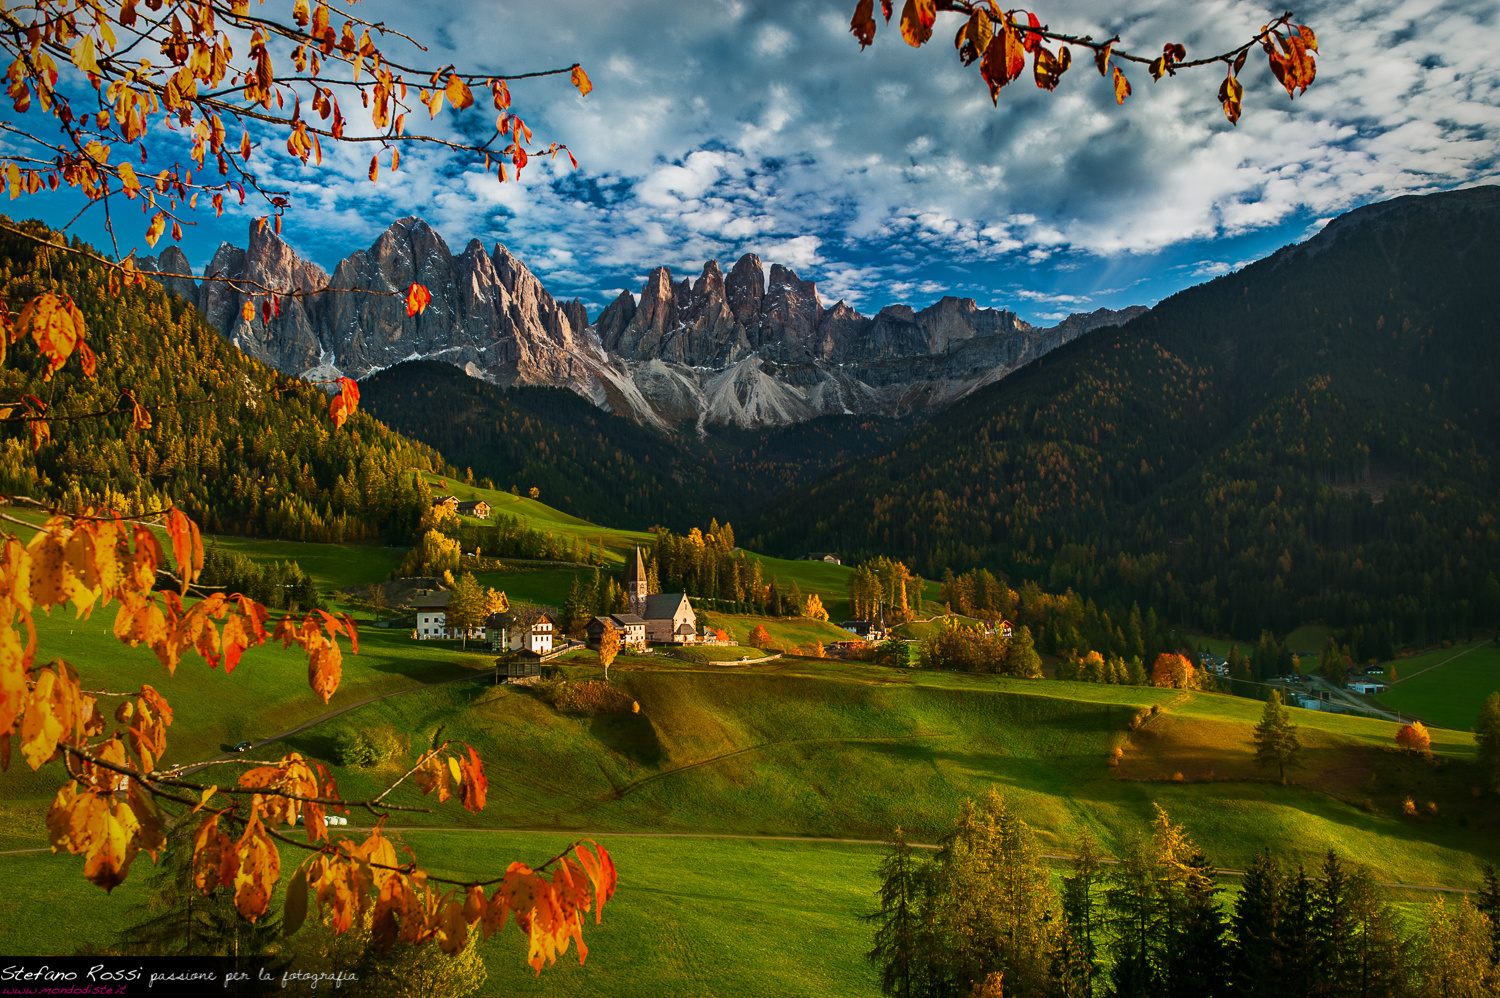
(241, 448)
(982, 918)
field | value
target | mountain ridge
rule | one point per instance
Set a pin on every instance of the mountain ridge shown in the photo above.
(750, 349)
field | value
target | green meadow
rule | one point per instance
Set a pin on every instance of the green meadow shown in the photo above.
(1447, 686)
(816, 748)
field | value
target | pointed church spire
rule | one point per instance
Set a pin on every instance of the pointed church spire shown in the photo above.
(637, 571)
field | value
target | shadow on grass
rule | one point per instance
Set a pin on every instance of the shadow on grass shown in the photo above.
(632, 736)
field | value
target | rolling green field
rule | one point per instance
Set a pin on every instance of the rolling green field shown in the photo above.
(819, 748)
(1452, 693)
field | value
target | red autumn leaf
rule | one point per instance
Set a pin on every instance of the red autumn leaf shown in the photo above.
(417, 297)
(863, 23)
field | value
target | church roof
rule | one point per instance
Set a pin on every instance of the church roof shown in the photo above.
(636, 572)
(663, 606)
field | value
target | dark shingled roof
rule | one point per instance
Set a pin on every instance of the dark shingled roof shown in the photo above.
(524, 616)
(662, 606)
(433, 601)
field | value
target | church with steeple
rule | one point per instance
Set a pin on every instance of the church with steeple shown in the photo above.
(669, 617)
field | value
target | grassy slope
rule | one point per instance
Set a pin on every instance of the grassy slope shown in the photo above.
(1452, 693)
(771, 749)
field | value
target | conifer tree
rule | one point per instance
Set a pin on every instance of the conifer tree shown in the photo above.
(1276, 741)
(1257, 923)
(897, 922)
(1297, 942)
(795, 598)
(1081, 903)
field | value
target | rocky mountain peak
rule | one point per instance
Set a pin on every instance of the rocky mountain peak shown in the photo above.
(749, 347)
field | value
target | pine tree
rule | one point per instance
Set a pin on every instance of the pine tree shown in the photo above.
(795, 598)
(1081, 903)
(1197, 960)
(1298, 944)
(1276, 741)
(897, 922)
(575, 607)
(1257, 954)
(1334, 929)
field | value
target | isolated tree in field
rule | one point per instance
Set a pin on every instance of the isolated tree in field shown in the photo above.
(999, 41)
(468, 606)
(1276, 741)
(1021, 658)
(379, 598)
(1487, 737)
(1414, 737)
(814, 608)
(760, 637)
(609, 647)
(1173, 671)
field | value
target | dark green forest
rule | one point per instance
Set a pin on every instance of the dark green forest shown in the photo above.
(239, 447)
(604, 467)
(1310, 438)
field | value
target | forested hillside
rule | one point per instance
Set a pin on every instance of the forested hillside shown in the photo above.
(604, 467)
(238, 446)
(1309, 438)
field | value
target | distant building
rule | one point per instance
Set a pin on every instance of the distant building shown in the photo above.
(1365, 688)
(868, 630)
(432, 618)
(827, 556)
(668, 617)
(631, 627)
(451, 502)
(527, 630)
(479, 509)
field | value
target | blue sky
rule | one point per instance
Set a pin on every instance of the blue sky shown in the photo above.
(732, 126)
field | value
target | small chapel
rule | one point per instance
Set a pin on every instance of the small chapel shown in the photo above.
(669, 617)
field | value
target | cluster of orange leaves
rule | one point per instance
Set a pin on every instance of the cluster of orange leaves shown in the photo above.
(1001, 40)
(1173, 671)
(199, 80)
(1414, 737)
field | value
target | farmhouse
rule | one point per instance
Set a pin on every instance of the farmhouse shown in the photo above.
(449, 502)
(479, 509)
(432, 617)
(827, 556)
(632, 630)
(1368, 688)
(529, 630)
(865, 629)
(669, 617)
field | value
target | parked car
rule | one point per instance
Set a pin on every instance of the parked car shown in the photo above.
(329, 819)
(241, 747)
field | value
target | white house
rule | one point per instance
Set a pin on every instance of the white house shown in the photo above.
(530, 630)
(1368, 688)
(432, 618)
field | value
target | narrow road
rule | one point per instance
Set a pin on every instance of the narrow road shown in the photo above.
(1473, 647)
(1346, 698)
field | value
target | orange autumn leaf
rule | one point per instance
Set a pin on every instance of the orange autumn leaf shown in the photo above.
(417, 298)
(917, 18)
(580, 80)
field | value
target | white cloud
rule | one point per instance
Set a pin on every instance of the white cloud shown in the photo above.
(759, 126)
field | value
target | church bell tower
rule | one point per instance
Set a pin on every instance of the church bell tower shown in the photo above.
(635, 585)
